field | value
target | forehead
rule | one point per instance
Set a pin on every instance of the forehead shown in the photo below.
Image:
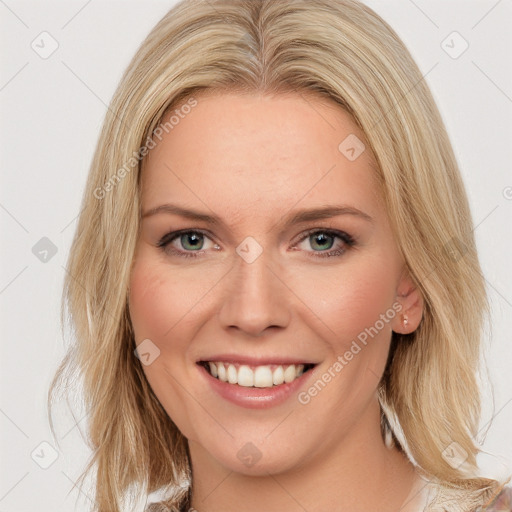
(255, 152)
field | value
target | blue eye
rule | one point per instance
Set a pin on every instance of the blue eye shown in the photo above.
(323, 240)
(191, 242)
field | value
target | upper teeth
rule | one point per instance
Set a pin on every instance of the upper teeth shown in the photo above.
(258, 376)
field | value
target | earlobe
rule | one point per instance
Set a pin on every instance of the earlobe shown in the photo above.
(411, 301)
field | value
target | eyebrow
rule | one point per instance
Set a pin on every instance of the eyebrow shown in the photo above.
(296, 217)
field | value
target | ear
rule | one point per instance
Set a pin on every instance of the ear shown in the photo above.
(410, 299)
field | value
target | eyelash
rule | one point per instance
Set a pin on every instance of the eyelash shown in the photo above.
(347, 240)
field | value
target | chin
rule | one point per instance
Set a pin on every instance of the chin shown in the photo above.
(253, 458)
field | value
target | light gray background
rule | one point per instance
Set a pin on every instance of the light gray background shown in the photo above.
(51, 113)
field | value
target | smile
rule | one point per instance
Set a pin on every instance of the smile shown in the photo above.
(264, 376)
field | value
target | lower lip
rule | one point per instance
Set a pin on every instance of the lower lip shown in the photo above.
(254, 398)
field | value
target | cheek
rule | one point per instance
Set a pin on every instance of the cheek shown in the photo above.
(348, 300)
(158, 307)
(354, 313)
(148, 303)
(163, 300)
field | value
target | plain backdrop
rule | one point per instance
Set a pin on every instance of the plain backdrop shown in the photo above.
(52, 107)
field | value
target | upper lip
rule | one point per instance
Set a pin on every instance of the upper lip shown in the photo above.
(254, 361)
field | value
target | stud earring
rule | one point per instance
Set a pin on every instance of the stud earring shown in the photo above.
(405, 320)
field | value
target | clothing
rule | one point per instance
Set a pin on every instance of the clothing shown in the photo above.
(503, 502)
(422, 498)
(418, 500)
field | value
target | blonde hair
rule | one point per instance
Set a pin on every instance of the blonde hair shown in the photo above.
(339, 50)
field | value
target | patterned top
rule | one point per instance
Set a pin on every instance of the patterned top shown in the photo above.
(426, 496)
(503, 503)
(417, 501)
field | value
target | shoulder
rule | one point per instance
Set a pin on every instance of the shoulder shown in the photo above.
(502, 502)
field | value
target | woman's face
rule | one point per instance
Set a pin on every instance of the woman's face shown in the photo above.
(265, 246)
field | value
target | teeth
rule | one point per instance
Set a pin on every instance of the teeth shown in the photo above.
(245, 376)
(232, 374)
(290, 373)
(263, 377)
(221, 370)
(278, 376)
(213, 369)
(259, 377)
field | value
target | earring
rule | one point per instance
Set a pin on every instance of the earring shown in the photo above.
(405, 320)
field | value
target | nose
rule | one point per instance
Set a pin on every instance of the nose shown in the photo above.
(255, 298)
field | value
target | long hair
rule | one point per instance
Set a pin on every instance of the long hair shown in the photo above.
(340, 50)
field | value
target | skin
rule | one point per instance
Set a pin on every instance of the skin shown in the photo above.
(251, 160)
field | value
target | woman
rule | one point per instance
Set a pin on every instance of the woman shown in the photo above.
(274, 282)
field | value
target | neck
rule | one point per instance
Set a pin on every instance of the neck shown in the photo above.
(359, 473)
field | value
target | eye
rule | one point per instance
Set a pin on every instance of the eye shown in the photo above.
(322, 241)
(185, 243)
